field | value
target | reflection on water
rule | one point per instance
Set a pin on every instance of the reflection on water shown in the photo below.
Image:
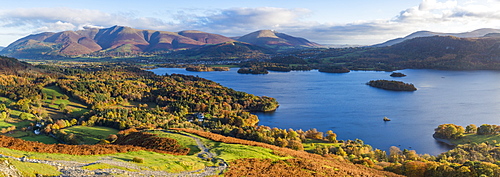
(345, 104)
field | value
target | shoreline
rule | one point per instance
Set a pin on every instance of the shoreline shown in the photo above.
(445, 141)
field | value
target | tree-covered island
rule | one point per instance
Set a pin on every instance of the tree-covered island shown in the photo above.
(392, 85)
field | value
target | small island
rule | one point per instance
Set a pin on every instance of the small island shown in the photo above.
(386, 119)
(253, 71)
(396, 74)
(334, 69)
(206, 68)
(392, 85)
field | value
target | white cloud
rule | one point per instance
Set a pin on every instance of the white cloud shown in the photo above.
(237, 21)
(427, 5)
(57, 26)
(57, 19)
(433, 15)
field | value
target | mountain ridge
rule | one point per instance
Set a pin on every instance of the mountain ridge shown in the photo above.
(122, 41)
(472, 34)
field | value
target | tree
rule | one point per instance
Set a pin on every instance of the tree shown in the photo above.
(3, 107)
(487, 129)
(449, 131)
(3, 115)
(341, 152)
(331, 137)
(62, 106)
(395, 154)
(295, 145)
(471, 128)
(281, 142)
(24, 116)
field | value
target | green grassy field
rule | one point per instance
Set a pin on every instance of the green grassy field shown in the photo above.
(40, 138)
(97, 166)
(13, 122)
(184, 141)
(91, 135)
(31, 169)
(152, 160)
(230, 152)
(224, 151)
(54, 91)
(310, 144)
(474, 138)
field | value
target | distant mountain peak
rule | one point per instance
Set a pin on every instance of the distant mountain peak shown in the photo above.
(266, 33)
(270, 38)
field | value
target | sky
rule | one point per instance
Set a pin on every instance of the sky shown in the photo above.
(353, 22)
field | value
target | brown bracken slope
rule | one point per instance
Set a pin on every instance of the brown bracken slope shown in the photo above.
(304, 163)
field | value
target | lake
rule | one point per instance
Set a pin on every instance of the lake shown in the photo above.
(344, 104)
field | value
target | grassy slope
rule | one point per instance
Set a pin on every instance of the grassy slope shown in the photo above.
(310, 144)
(157, 161)
(77, 107)
(183, 141)
(152, 160)
(31, 169)
(224, 151)
(91, 135)
(474, 138)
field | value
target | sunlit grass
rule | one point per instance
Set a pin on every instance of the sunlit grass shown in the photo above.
(97, 166)
(474, 138)
(152, 160)
(54, 91)
(91, 135)
(184, 141)
(231, 152)
(310, 144)
(40, 138)
(33, 169)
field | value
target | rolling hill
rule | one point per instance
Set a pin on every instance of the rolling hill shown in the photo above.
(224, 51)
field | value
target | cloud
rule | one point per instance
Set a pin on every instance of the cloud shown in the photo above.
(57, 19)
(259, 17)
(238, 20)
(427, 5)
(432, 15)
(431, 11)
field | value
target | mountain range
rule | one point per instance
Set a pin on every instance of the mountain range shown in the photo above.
(484, 32)
(121, 40)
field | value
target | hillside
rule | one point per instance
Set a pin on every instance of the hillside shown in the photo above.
(433, 52)
(446, 52)
(227, 50)
(12, 66)
(273, 39)
(121, 41)
(108, 41)
(473, 34)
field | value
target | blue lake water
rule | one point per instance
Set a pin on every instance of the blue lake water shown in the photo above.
(345, 104)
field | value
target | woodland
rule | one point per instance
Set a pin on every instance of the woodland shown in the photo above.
(52, 99)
